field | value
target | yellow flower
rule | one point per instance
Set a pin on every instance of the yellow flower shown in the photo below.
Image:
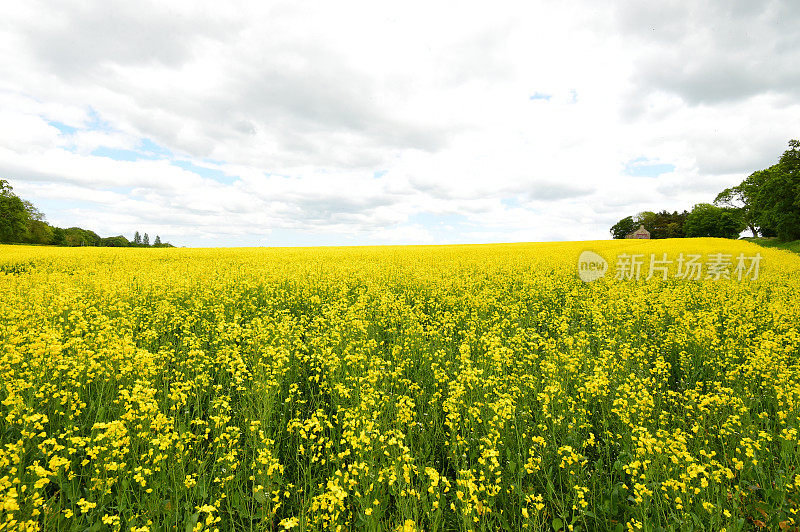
(289, 522)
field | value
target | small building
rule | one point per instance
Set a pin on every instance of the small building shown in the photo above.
(639, 233)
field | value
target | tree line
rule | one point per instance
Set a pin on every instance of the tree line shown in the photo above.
(22, 223)
(767, 202)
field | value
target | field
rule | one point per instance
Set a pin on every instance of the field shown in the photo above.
(397, 388)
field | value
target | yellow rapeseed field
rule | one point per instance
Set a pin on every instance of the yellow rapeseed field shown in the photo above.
(400, 388)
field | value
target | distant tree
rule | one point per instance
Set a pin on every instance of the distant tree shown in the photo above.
(59, 238)
(647, 219)
(22, 222)
(157, 241)
(115, 242)
(75, 236)
(662, 224)
(13, 216)
(708, 220)
(37, 231)
(667, 225)
(623, 227)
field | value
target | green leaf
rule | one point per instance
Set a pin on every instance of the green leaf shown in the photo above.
(236, 499)
(504, 521)
(260, 497)
(558, 524)
(192, 521)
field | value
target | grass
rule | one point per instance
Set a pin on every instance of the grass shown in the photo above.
(773, 242)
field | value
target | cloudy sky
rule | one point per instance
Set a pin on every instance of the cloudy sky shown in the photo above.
(319, 123)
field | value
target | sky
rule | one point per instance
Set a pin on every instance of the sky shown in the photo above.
(360, 123)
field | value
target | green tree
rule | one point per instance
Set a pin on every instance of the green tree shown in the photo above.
(59, 238)
(744, 197)
(736, 198)
(75, 236)
(157, 241)
(145, 240)
(647, 219)
(623, 227)
(769, 200)
(37, 231)
(115, 242)
(709, 220)
(13, 216)
(664, 224)
(777, 198)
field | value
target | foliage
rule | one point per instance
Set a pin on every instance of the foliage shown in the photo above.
(767, 202)
(115, 242)
(435, 388)
(660, 225)
(777, 199)
(668, 225)
(13, 217)
(708, 220)
(623, 227)
(75, 236)
(22, 222)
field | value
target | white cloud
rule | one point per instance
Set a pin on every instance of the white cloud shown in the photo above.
(351, 122)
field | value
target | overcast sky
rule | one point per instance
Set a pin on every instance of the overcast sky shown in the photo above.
(318, 123)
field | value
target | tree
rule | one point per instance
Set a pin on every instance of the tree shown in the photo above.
(737, 198)
(647, 219)
(777, 199)
(709, 220)
(667, 225)
(660, 224)
(13, 216)
(75, 236)
(744, 197)
(115, 242)
(157, 241)
(59, 237)
(37, 231)
(21, 221)
(623, 227)
(769, 200)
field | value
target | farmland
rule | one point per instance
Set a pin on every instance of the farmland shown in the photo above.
(397, 388)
